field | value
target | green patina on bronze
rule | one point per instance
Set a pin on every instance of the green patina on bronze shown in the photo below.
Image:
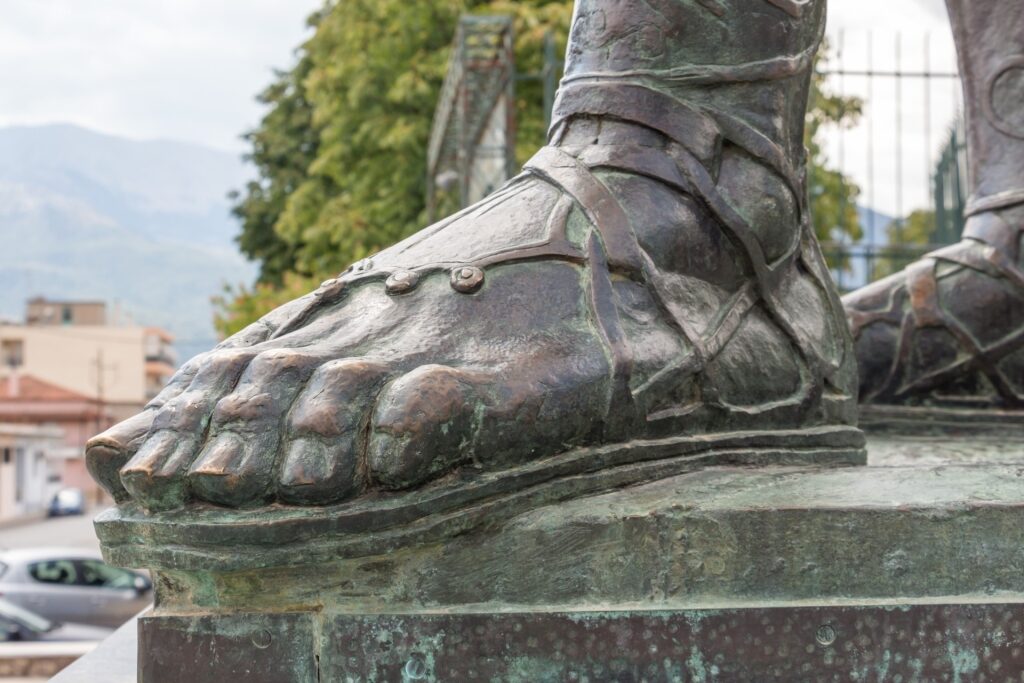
(924, 522)
(256, 648)
(906, 567)
(923, 642)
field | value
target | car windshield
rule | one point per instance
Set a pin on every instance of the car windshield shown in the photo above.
(31, 620)
(69, 497)
(97, 573)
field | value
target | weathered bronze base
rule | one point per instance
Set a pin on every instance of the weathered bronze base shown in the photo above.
(222, 540)
(908, 567)
(967, 425)
(917, 642)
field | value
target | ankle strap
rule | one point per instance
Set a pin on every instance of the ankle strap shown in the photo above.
(698, 129)
(710, 74)
(1000, 200)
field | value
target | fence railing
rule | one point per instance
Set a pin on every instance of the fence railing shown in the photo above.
(865, 263)
(906, 153)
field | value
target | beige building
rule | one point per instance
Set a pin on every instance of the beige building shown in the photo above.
(40, 311)
(123, 367)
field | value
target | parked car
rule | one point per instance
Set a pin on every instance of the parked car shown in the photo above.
(19, 624)
(67, 502)
(72, 585)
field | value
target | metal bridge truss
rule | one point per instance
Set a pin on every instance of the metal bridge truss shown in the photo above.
(472, 143)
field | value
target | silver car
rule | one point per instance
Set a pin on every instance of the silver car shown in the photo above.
(18, 624)
(72, 585)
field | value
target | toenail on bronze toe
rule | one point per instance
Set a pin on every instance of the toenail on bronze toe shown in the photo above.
(104, 463)
(318, 473)
(155, 475)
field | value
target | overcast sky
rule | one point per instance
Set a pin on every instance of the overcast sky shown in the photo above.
(905, 126)
(177, 69)
(189, 69)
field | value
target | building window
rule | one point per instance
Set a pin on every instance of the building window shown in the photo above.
(7, 456)
(12, 352)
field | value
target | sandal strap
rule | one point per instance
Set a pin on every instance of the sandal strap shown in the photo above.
(1000, 200)
(567, 173)
(925, 310)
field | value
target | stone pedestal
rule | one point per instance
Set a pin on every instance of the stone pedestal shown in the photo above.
(910, 567)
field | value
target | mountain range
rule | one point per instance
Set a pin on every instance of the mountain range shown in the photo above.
(145, 226)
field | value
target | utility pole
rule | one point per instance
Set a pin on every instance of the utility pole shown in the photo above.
(101, 369)
(101, 403)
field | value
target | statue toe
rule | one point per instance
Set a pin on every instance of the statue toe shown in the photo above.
(153, 476)
(108, 452)
(327, 433)
(424, 424)
(232, 472)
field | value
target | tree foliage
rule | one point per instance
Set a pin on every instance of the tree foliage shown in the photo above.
(341, 152)
(833, 195)
(282, 149)
(908, 239)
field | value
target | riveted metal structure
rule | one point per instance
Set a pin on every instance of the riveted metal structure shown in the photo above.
(472, 143)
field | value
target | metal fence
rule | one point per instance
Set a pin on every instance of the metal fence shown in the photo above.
(906, 153)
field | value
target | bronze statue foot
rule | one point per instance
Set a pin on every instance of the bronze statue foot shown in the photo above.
(947, 334)
(949, 330)
(647, 294)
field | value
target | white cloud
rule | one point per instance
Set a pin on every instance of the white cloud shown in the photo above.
(934, 7)
(187, 69)
(895, 15)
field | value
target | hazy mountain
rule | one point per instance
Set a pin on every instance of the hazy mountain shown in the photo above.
(875, 224)
(859, 270)
(145, 225)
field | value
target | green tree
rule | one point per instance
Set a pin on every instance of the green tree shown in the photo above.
(908, 239)
(282, 150)
(341, 151)
(833, 195)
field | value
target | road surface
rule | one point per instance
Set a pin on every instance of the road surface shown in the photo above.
(63, 531)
